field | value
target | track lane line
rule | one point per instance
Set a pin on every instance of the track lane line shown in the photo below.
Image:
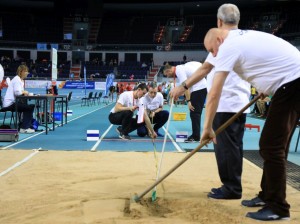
(36, 134)
(20, 162)
(178, 148)
(94, 148)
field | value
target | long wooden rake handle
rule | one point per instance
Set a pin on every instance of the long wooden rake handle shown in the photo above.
(137, 198)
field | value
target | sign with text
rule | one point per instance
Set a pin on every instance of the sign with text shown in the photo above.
(79, 85)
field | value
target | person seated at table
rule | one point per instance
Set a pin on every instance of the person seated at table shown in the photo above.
(14, 89)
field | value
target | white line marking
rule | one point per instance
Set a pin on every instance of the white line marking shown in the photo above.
(19, 163)
(173, 141)
(19, 141)
(94, 149)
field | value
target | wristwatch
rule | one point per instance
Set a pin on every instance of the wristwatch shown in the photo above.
(184, 85)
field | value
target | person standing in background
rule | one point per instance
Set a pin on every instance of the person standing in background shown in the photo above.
(195, 96)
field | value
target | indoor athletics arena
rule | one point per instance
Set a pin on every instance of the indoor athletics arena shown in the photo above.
(72, 165)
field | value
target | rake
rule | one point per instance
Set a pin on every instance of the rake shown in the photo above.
(153, 196)
(137, 197)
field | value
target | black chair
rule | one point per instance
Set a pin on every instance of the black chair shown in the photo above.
(99, 97)
(6, 110)
(95, 97)
(63, 101)
(85, 101)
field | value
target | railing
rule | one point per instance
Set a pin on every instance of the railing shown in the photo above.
(106, 47)
(293, 38)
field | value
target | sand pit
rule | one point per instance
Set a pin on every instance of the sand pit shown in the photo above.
(83, 187)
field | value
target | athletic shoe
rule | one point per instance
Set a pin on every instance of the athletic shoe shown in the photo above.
(191, 139)
(125, 137)
(218, 194)
(27, 131)
(215, 190)
(119, 130)
(266, 214)
(159, 134)
(254, 202)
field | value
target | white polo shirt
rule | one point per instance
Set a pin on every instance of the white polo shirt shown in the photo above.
(186, 70)
(126, 99)
(15, 88)
(153, 103)
(262, 59)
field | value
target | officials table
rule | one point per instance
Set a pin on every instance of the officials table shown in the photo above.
(47, 103)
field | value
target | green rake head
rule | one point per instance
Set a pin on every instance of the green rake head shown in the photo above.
(153, 196)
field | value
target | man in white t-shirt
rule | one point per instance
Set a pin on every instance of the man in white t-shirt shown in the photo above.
(153, 102)
(123, 112)
(235, 95)
(272, 65)
(195, 96)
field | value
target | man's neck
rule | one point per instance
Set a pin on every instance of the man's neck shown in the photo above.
(135, 95)
(229, 27)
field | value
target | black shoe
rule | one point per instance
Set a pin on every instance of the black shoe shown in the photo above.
(159, 134)
(119, 130)
(218, 194)
(215, 190)
(254, 202)
(266, 214)
(125, 137)
(191, 139)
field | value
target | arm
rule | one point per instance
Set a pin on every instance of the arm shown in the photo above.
(212, 105)
(153, 112)
(198, 75)
(149, 125)
(119, 107)
(188, 99)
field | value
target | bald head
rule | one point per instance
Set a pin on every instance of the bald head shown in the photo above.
(213, 39)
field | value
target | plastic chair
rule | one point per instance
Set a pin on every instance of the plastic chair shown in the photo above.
(5, 110)
(85, 101)
(99, 97)
(61, 101)
(95, 97)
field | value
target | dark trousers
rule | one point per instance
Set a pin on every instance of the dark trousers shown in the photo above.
(159, 120)
(125, 119)
(229, 152)
(197, 100)
(27, 113)
(280, 124)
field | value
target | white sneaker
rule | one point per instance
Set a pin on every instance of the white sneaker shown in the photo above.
(27, 131)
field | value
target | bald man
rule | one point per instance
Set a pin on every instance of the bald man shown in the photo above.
(272, 65)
